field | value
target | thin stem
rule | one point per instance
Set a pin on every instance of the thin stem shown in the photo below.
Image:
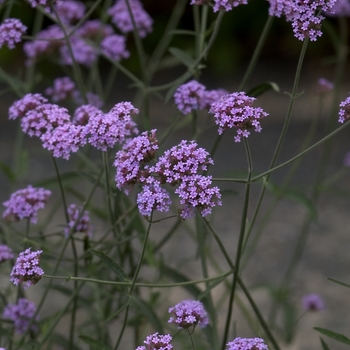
(191, 338)
(240, 243)
(61, 189)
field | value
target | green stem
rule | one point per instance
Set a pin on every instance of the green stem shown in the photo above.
(61, 190)
(190, 334)
(240, 243)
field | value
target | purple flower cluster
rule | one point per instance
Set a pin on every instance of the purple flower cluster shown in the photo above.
(228, 5)
(122, 19)
(324, 86)
(193, 95)
(105, 130)
(62, 89)
(25, 203)
(29, 102)
(157, 341)
(70, 11)
(35, 3)
(247, 344)
(179, 166)
(21, 315)
(236, 111)
(114, 47)
(5, 253)
(83, 113)
(313, 302)
(344, 112)
(83, 42)
(305, 23)
(340, 9)
(11, 32)
(92, 99)
(27, 269)
(189, 313)
(83, 225)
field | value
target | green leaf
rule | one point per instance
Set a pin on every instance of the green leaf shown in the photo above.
(260, 89)
(94, 344)
(182, 56)
(339, 282)
(289, 321)
(147, 310)
(7, 171)
(182, 32)
(324, 345)
(116, 268)
(336, 336)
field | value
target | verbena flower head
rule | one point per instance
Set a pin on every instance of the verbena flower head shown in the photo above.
(247, 344)
(183, 160)
(236, 111)
(29, 102)
(324, 86)
(130, 161)
(122, 20)
(157, 341)
(105, 130)
(189, 313)
(228, 5)
(35, 3)
(70, 11)
(83, 113)
(83, 225)
(83, 53)
(5, 253)
(340, 9)
(313, 302)
(25, 203)
(92, 99)
(64, 140)
(211, 96)
(11, 31)
(195, 191)
(153, 197)
(62, 89)
(287, 8)
(189, 96)
(46, 43)
(114, 47)
(344, 112)
(21, 315)
(307, 25)
(95, 29)
(27, 269)
(43, 119)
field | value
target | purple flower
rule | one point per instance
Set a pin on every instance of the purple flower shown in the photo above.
(64, 140)
(287, 8)
(5, 253)
(211, 96)
(180, 161)
(153, 197)
(247, 344)
(92, 99)
(83, 53)
(27, 269)
(105, 130)
(346, 161)
(46, 42)
(344, 112)
(189, 313)
(129, 162)
(83, 225)
(43, 119)
(62, 89)
(95, 29)
(196, 192)
(70, 11)
(313, 302)
(21, 315)
(83, 113)
(189, 96)
(340, 9)
(324, 86)
(36, 3)
(25, 203)
(11, 32)
(29, 102)
(306, 25)
(228, 5)
(157, 341)
(113, 46)
(235, 111)
(121, 17)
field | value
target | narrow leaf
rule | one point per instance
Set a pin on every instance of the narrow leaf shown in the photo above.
(336, 336)
(116, 268)
(339, 282)
(95, 344)
(260, 89)
(182, 56)
(324, 344)
(7, 171)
